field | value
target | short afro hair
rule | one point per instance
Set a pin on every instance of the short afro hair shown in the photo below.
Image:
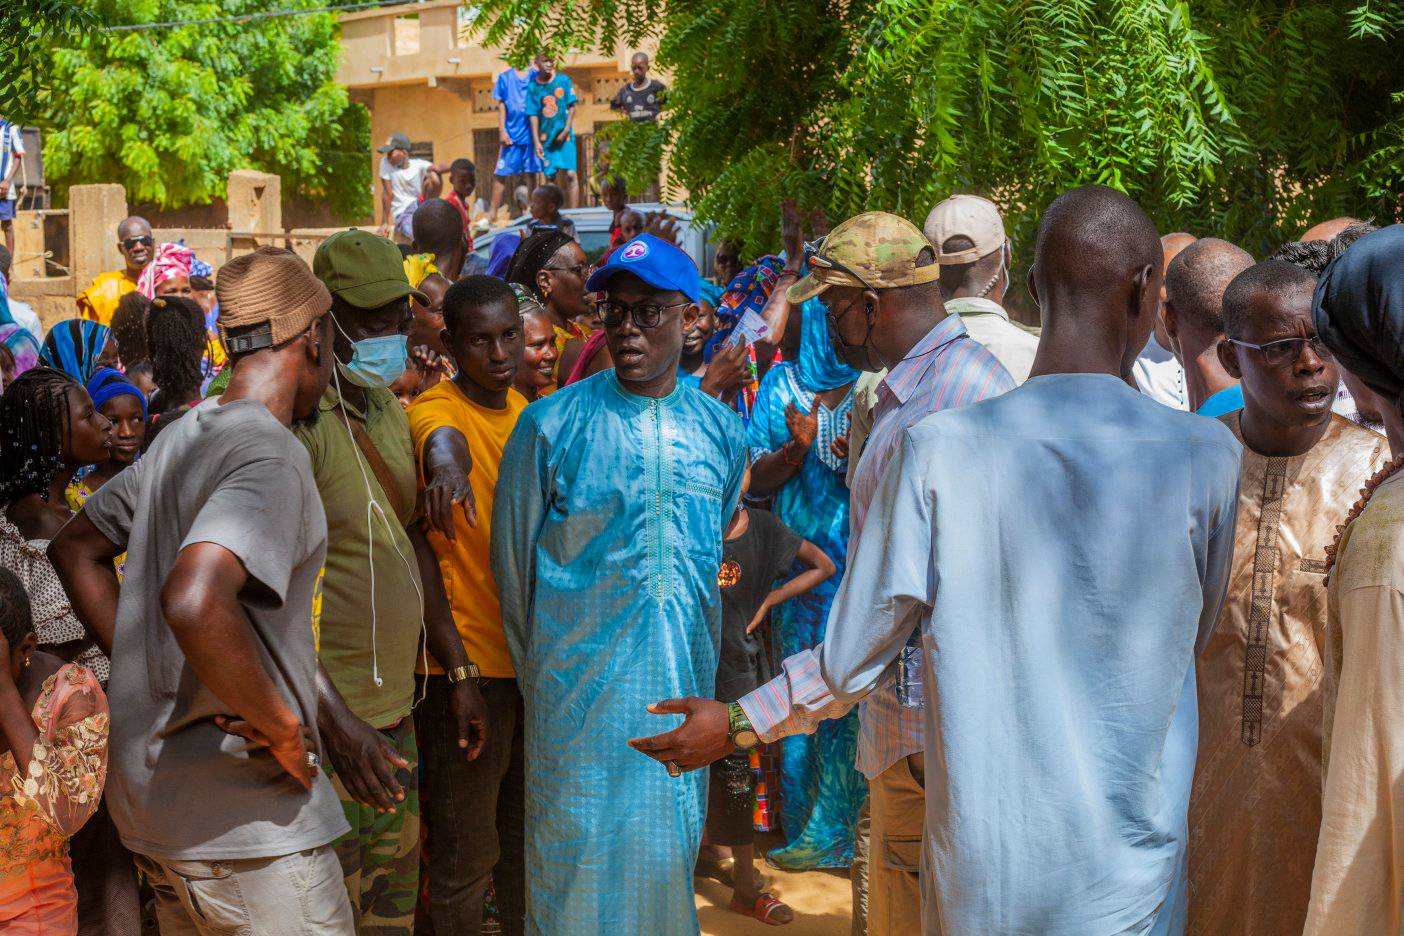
(471, 293)
(1270, 277)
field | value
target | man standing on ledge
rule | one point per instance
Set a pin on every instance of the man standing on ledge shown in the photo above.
(607, 535)
(99, 301)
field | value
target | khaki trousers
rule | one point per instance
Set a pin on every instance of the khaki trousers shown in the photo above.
(897, 801)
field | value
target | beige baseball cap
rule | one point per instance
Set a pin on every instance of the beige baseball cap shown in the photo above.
(272, 286)
(968, 216)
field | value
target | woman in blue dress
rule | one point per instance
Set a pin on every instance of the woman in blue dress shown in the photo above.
(797, 436)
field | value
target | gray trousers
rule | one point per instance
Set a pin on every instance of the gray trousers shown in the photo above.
(302, 894)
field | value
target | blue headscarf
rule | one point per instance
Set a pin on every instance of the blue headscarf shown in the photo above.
(819, 368)
(74, 346)
(106, 383)
(500, 257)
(1358, 310)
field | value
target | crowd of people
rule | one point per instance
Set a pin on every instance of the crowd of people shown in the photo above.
(377, 595)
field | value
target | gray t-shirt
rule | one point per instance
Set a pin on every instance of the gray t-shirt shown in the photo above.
(179, 787)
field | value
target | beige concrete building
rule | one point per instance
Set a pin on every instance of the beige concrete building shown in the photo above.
(416, 73)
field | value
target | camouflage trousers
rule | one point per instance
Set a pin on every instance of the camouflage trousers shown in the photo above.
(380, 855)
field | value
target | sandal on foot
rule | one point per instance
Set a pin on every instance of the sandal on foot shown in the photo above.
(765, 908)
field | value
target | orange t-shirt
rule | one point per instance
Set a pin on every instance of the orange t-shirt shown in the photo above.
(466, 564)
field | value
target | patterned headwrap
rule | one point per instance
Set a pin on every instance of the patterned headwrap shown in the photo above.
(74, 346)
(170, 261)
(107, 383)
(21, 344)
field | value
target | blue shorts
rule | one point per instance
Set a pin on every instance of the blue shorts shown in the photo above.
(517, 159)
(560, 158)
(7, 209)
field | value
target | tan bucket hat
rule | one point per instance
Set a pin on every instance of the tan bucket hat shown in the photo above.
(272, 286)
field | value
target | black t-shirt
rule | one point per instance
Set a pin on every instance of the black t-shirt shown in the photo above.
(750, 565)
(639, 105)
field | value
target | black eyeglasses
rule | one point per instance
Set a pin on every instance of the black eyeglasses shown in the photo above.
(1285, 350)
(145, 240)
(647, 315)
(578, 269)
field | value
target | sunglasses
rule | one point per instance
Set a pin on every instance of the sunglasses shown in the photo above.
(144, 240)
(1285, 350)
(645, 316)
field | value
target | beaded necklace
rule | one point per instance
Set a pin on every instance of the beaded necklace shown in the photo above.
(1378, 478)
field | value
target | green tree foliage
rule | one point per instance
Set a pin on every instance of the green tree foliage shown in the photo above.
(29, 30)
(1246, 118)
(170, 112)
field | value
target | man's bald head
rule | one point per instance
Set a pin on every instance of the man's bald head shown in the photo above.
(135, 226)
(437, 226)
(1093, 237)
(1197, 278)
(1098, 265)
(1171, 244)
(1328, 229)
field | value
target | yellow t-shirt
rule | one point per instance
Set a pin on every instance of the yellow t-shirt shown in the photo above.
(99, 301)
(466, 564)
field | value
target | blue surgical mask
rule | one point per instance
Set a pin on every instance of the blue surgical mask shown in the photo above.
(376, 362)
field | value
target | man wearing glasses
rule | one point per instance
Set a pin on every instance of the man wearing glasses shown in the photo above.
(607, 534)
(1258, 777)
(99, 301)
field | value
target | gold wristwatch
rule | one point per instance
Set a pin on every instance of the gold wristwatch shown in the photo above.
(743, 736)
(460, 673)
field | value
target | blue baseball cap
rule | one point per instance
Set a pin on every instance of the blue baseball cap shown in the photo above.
(656, 262)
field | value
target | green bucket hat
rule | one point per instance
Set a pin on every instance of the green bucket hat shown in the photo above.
(364, 269)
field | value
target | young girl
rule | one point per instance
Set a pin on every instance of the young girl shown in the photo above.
(53, 763)
(124, 406)
(757, 550)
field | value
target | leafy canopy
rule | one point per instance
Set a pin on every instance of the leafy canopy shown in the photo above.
(170, 112)
(29, 29)
(1244, 118)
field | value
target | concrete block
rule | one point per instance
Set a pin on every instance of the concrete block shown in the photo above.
(255, 202)
(51, 298)
(29, 246)
(94, 211)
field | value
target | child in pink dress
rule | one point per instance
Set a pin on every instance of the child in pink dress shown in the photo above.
(53, 762)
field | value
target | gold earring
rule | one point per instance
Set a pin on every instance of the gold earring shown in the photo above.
(27, 661)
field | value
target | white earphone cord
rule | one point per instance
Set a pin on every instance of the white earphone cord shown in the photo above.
(373, 508)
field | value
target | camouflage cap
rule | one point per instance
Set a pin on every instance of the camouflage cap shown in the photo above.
(875, 250)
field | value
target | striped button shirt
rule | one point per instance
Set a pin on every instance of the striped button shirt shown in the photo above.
(946, 369)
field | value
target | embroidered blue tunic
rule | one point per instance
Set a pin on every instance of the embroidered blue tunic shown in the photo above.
(607, 534)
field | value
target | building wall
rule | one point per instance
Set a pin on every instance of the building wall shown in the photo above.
(417, 73)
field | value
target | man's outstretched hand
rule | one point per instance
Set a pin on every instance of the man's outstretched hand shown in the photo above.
(703, 737)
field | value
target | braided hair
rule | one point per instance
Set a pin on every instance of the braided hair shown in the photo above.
(177, 341)
(33, 431)
(532, 254)
(16, 615)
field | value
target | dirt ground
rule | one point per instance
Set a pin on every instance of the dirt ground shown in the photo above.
(822, 901)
